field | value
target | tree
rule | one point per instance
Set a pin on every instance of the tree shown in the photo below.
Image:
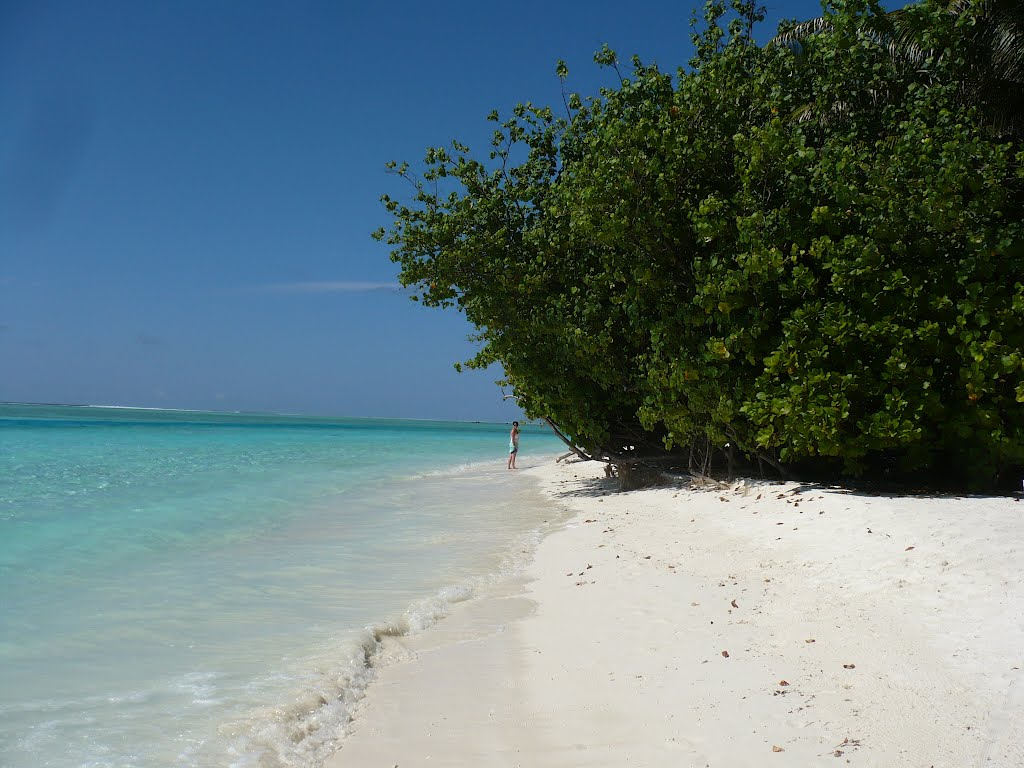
(992, 33)
(677, 266)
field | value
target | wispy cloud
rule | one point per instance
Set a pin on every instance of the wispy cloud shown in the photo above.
(332, 286)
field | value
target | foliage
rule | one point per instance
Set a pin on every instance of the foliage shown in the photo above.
(993, 40)
(682, 261)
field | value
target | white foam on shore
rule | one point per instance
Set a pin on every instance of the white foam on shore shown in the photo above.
(307, 729)
(742, 625)
(223, 599)
(470, 469)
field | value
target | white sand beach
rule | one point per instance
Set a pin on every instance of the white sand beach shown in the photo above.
(766, 624)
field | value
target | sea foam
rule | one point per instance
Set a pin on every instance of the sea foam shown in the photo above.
(206, 590)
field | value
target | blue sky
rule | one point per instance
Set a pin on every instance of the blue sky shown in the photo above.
(187, 190)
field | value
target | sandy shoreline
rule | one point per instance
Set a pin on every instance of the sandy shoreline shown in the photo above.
(765, 624)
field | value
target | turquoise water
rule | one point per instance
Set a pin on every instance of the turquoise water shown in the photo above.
(191, 589)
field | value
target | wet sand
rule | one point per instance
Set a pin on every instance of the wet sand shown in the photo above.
(750, 625)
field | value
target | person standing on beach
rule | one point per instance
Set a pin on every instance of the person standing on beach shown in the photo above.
(513, 445)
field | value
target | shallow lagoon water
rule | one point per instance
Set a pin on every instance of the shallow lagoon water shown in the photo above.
(205, 589)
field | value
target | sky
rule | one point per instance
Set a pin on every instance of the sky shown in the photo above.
(187, 190)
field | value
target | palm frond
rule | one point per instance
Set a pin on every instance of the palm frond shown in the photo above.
(801, 31)
(994, 81)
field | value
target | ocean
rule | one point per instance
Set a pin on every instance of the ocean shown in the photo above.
(207, 589)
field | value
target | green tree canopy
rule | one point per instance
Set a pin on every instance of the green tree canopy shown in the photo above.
(991, 42)
(685, 261)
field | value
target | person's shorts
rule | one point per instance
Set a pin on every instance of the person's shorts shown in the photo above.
(513, 449)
